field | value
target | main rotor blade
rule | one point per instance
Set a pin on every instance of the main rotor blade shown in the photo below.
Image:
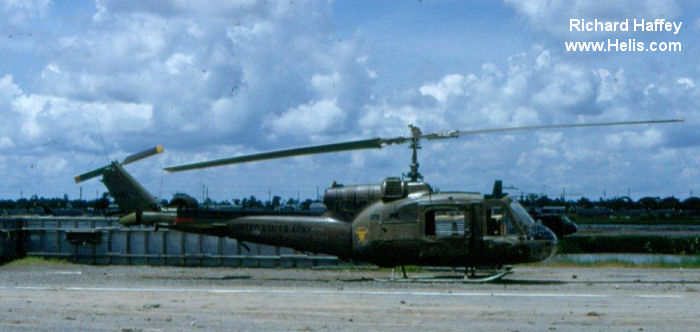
(373, 143)
(458, 133)
(378, 143)
(143, 154)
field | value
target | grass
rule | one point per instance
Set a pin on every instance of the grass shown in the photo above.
(641, 244)
(636, 220)
(36, 261)
(690, 262)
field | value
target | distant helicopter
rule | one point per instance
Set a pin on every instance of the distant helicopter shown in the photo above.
(396, 223)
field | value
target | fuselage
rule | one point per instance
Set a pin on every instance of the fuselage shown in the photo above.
(423, 228)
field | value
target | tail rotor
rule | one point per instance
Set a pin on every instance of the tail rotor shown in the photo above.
(128, 160)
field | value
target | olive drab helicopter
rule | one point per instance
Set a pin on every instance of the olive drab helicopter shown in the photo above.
(401, 221)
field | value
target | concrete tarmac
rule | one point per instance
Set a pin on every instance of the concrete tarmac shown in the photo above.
(67, 297)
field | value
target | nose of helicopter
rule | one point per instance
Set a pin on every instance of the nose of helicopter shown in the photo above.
(544, 243)
(569, 227)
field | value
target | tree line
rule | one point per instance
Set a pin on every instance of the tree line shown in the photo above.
(277, 202)
(618, 203)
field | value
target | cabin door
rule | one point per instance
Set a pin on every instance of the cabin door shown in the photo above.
(475, 219)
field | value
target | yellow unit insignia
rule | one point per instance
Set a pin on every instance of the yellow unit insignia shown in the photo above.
(361, 233)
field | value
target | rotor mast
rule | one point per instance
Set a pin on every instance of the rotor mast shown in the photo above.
(414, 175)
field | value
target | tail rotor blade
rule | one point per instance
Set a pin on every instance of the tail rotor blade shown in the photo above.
(89, 175)
(143, 154)
(130, 159)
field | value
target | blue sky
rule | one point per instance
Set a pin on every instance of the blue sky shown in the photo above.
(225, 78)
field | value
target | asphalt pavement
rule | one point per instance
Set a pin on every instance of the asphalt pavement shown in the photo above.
(68, 297)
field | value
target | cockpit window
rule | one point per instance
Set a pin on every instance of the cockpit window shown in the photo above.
(499, 222)
(521, 215)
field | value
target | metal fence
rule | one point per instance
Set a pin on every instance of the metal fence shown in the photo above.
(100, 240)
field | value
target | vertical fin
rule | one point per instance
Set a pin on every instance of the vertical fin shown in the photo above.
(127, 192)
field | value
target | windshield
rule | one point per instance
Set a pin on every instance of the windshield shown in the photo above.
(520, 214)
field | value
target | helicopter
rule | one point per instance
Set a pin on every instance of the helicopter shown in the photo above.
(400, 221)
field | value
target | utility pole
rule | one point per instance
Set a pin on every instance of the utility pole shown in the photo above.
(160, 189)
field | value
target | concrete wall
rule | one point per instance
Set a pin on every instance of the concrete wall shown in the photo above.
(100, 240)
(10, 240)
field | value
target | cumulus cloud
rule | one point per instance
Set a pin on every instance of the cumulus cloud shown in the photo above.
(448, 85)
(137, 74)
(19, 11)
(6, 142)
(570, 88)
(538, 87)
(8, 89)
(532, 88)
(553, 16)
(211, 71)
(686, 82)
(222, 78)
(315, 118)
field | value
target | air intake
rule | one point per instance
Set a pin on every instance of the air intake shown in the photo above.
(393, 188)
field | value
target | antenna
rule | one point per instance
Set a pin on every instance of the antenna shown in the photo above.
(104, 147)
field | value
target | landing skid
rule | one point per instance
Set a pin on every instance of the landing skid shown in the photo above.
(479, 276)
(473, 276)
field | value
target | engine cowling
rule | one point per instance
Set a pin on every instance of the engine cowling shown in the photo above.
(350, 200)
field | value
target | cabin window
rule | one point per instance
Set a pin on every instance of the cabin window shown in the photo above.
(445, 223)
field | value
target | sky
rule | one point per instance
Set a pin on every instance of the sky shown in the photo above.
(85, 83)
